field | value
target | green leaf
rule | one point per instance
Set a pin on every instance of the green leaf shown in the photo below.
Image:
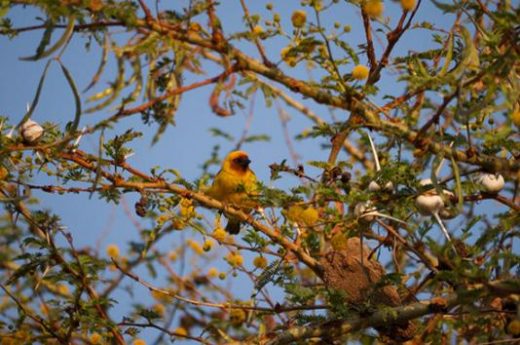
(77, 99)
(458, 184)
(448, 58)
(41, 53)
(4, 8)
(216, 132)
(102, 64)
(258, 137)
(36, 98)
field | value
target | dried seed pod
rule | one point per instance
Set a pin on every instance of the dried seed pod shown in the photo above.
(365, 210)
(31, 131)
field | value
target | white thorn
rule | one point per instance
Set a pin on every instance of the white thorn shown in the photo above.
(382, 215)
(10, 134)
(374, 152)
(444, 230)
(78, 139)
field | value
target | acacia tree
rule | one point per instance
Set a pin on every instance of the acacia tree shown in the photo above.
(352, 248)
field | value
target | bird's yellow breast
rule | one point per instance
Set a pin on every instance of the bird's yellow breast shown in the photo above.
(233, 187)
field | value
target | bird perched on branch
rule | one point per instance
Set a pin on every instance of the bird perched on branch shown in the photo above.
(235, 185)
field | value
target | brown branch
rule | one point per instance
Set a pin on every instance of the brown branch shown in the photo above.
(26, 213)
(164, 330)
(38, 319)
(176, 91)
(392, 38)
(147, 13)
(274, 234)
(435, 118)
(370, 44)
(311, 115)
(501, 199)
(225, 305)
(258, 44)
(385, 317)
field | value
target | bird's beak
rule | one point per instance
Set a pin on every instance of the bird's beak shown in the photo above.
(244, 162)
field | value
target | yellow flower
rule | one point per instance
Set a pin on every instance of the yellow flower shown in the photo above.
(317, 4)
(235, 259)
(308, 216)
(159, 308)
(258, 29)
(213, 272)
(289, 59)
(219, 234)
(162, 218)
(294, 213)
(95, 338)
(113, 250)
(260, 262)
(139, 342)
(63, 289)
(178, 224)
(181, 331)
(515, 117)
(360, 72)
(374, 8)
(172, 255)
(237, 317)
(196, 247)
(186, 208)
(194, 26)
(208, 244)
(160, 296)
(298, 18)
(408, 5)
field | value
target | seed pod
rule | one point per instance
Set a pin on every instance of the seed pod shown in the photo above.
(491, 183)
(373, 186)
(31, 131)
(430, 202)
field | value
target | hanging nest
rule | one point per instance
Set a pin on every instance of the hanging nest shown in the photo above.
(361, 279)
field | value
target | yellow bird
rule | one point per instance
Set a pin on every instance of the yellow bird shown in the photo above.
(235, 185)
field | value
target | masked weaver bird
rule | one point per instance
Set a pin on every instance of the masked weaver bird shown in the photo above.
(235, 185)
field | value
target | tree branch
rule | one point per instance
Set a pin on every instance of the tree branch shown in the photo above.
(387, 316)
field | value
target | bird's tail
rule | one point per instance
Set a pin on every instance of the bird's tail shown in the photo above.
(233, 226)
